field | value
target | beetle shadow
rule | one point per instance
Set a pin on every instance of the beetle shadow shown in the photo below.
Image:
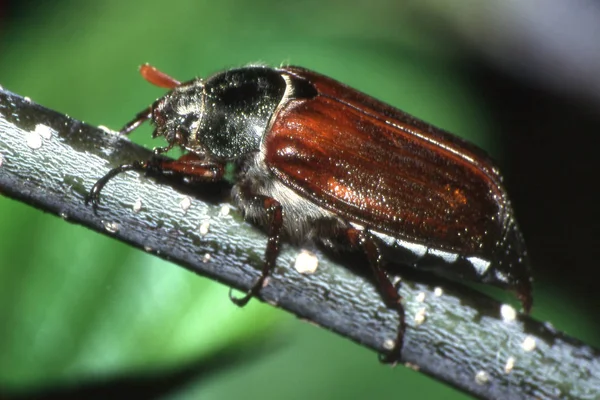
(157, 383)
(212, 193)
(480, 296)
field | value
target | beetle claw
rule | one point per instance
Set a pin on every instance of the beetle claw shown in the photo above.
(93, 197)
(240, 301)
(390, 358)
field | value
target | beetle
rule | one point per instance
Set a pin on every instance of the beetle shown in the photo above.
(314, 159)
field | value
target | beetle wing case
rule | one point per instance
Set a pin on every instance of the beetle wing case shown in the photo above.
(416, 187)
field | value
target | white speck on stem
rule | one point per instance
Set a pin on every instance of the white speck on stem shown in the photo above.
(137, 206)
(438, 292)
(306, 262)
(412, 366)
(111, 227)
(206, 258)
(510, 364)
(266, 282)
(203, 229)
(482, 377)
(107, 129)
(33, 140)
(529, 343)
(224, 210)
(421, 297)
(44, 131)
(508, 313)
(185, 204)
(389, 344)
(420, 316)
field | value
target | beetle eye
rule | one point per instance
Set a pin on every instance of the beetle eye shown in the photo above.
(157, 114)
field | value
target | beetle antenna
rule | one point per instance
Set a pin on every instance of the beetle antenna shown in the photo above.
(158, 78)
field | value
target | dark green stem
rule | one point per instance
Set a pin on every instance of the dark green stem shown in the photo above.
(455, 334)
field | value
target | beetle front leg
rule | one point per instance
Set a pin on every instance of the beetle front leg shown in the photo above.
(157, 78)
(274, 213)
(189, 166)
(140, 118)
(387, 289)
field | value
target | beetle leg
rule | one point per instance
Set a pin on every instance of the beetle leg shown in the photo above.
(523, 290)
(161, 150)
(387, 289)
(157, 78)
(189, 165)
(139, 119)
(275, 217)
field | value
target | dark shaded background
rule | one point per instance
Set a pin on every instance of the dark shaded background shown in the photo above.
(520, 80)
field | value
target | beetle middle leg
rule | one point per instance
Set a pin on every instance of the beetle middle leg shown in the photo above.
(274, 213)
(387, 289)
(190, 166)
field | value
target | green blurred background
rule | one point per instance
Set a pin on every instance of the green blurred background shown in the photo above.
(77, 307)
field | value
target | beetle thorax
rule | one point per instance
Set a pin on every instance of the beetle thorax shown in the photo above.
(224, 117)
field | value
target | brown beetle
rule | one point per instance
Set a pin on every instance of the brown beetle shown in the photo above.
(316, 159)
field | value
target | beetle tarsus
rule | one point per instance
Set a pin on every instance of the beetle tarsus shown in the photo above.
(241, 301)
(391, 358)
(94, 194)
(524, 295)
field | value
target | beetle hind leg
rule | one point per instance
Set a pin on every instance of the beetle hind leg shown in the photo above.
(387, 289)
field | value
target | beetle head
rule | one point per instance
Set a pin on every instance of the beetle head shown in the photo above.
(222, 118)
(177, 115)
